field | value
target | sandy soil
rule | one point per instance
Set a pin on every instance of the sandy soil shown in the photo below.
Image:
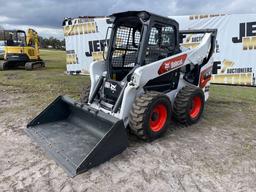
(217, 154)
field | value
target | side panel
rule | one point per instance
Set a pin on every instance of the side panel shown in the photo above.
(14, 49)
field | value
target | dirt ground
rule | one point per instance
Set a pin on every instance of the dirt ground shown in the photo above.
(217, 154)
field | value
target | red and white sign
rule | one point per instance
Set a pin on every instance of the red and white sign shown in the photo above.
(172, 63)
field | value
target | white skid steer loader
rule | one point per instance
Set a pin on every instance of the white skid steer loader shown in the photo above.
(147, 78)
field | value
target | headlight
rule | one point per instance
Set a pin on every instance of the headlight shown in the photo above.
(135, 79)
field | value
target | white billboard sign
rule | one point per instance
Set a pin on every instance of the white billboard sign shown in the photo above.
(235, 55)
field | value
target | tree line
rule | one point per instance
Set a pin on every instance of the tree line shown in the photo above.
(51, 43)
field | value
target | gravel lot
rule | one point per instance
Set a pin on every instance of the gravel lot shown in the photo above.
(217, 154)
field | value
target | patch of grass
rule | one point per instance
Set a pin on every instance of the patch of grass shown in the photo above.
(51, 80)
(231, 105)
(233, 94)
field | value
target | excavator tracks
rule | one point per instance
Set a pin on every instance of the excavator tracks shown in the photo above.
(34, 65)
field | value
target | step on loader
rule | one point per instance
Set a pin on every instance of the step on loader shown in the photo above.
(147, 78)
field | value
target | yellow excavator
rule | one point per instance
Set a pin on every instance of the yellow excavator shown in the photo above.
(21, 50)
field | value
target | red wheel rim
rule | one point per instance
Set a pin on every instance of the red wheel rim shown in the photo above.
(158, 117)
(195, 107)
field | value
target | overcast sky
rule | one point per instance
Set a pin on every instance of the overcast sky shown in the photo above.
(46, 16)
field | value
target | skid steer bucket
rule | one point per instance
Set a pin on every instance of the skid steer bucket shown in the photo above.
(77, 137)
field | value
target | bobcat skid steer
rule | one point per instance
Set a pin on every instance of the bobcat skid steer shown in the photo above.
(147, 78)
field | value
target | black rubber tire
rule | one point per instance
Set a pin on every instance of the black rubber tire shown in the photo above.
(139, 121)
(85, 93)
(183, 102)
